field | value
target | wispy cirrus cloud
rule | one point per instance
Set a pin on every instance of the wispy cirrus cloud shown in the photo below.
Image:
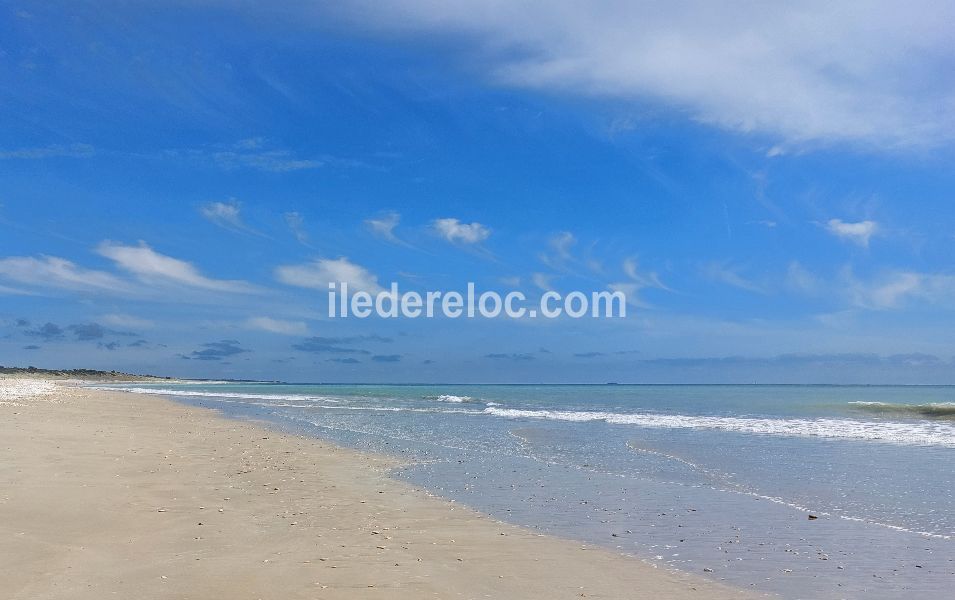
(896, 289)
(803, 73)
(51, 151)
(858, 233)
(456, 232)
(59, 273)
(383, 227)
(279, 326)
(254, 153)
(320, 272)
(296, 224)
(227, 215)
(636, 281)
(154, 268)
(728, 274)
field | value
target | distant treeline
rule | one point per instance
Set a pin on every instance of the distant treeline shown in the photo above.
(75, 373)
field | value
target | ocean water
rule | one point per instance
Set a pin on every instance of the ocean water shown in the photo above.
(720, 481)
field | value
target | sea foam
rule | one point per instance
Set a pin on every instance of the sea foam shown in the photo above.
(910, 434)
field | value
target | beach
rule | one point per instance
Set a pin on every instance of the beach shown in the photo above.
(112, 494)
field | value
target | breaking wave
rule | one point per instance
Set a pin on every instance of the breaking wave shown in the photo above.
(909, 434)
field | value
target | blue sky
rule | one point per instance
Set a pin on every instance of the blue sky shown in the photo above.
(773, 187)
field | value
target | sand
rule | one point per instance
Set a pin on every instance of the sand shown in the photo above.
(116, 495)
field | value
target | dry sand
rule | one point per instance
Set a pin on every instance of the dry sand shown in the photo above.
(115, 495)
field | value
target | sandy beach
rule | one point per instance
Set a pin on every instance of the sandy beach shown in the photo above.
(109, 494)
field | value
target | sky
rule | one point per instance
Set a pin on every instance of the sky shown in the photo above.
(772, 186)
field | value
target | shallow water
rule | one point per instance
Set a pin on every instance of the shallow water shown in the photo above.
(716, 480)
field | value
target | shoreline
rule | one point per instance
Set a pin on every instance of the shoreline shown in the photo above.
(142, 496)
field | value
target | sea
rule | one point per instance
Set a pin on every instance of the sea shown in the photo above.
(800, 491)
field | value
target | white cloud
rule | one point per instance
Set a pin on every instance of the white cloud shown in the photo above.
(55, 272)
(562, 242)
(455, 231)
(155, 268)
(384, 226)
(227, 215)
(53, 151)
(730, 275)
(296, 224)
(857, 233)
(802, 72)
(559, 255)
(511, 281)
(896, 289)
(277, 326)
(319, 273)
(637, 281)
(542, 281)
(801, 280)
(127, 321)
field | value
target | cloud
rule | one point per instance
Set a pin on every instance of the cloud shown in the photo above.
(384, 227)
(812, 360)
(108, 345)
(255, 153)
(275, 161)
(22, 323)
(895, 289)
(345, 361)
(46, 332)
(800, 280)
(123, 320)
(216, 351)
(512, 356)
(857, 233)
(457, 232)
(560, 245)
(352, 339)
(94, 331)
(802, 72)
(226, 215)
(155, 268)
(542, 281)
(54, 272)
(320, 345)
(277, 325)
(296, 224)
(511, 281)
(386, 358)
(31, 347)
(589, 354)
(52, 151)
(320, 272)
(721, 272)
(636, 282)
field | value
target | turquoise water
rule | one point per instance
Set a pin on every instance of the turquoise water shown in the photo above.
(715, 480)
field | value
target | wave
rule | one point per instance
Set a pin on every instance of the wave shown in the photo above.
(908, 434)
(937, 410)
(449, 398)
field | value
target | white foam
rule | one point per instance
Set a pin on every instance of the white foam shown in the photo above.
(450, 398)
(909, 434)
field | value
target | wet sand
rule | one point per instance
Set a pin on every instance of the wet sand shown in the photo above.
(108, 494)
